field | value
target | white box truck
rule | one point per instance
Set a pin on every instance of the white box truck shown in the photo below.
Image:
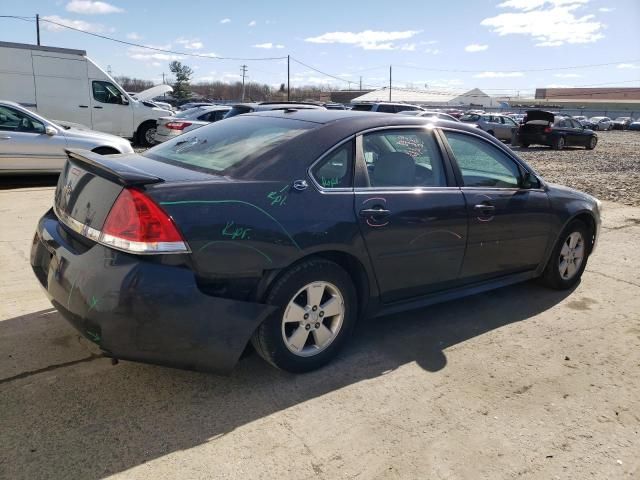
(65, 85)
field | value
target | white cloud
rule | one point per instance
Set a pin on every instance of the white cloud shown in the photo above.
(474, 47)
(78, 24)
(190, 44)
(133, 36)
(268, 46)
(225, 20)
(89, 7)
(433, 51)
(550, 23)
(367, 40)
(498, 75)
(252, 23)
(628, 66)
(567, 75)
(606, 10)
(146, 55)
(408, 47)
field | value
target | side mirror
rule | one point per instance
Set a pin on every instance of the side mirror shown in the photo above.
(529, 181)
(49, 130)
(124, 100)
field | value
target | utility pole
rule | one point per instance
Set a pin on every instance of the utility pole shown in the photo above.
(163, 78)
(360, 82)
(288, 79)
(109, 69)
(390, 82)
(38, 27)
(243, 69)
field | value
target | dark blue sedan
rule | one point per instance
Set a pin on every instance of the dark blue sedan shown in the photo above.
(282, 229)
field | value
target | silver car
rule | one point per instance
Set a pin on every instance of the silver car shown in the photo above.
(30, 143)
(170, 127)
(500, 126)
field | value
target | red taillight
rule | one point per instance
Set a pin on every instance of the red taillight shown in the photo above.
(177, 125)
(547, 130)
(137, 224)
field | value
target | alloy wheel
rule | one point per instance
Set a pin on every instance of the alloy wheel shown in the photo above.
(571, 256)
(312, 319)
(150, 135)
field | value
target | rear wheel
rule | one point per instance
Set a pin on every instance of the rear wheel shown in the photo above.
(591, 144)
(558, 143)
(318, 310)
(569, 257)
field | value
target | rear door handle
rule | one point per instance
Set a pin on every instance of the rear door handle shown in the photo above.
(5, 137)
(375, 212)
(97, 106)
(83, 106)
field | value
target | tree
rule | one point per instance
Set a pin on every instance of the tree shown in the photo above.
(133, 84)
(181, 87)
(282, 88)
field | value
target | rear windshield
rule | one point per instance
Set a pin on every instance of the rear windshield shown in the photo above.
(222, 147)
(192, 112)
(362, 108)
(238, 110)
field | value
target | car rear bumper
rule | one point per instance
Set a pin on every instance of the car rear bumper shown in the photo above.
(135, 308)
(166, 135)
(534, 138)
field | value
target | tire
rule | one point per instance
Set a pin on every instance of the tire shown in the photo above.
(146, 133)
(552, 276)
(558, 143)
(591, 144)
(274, 339)
(595, 128)
(105, 151)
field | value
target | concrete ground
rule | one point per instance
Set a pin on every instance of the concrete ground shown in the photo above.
(522, 382)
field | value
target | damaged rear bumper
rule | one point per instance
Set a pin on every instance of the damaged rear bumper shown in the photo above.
(135, 308)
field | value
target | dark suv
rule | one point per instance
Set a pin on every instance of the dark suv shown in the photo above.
(385, 107)
(544, 128)
(241, 108)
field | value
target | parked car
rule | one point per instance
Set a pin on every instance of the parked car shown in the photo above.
(190, 105)
(430, 114)
(242, 108)
(334, 106)
(65, 85)
(517, 117)
(187, 120)
(454, 112)
(635, 125)
(581, 119)
(600, 123)
(544, 128)
(30, 143)
(500, 126)
(384, 107)
(621, 123)
(250, 229)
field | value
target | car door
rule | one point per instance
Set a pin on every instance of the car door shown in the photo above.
(510, 126)
(508, 224)
(24, 144)
(110, 110)
(411, 214)
(578, 137)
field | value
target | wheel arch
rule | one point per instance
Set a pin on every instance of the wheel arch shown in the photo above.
(142, 125)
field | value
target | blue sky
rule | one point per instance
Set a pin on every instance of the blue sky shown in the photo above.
(497, 42)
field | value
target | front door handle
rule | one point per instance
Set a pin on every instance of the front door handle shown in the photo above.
(5, 137)
(83, 106)
(97, 106)
(485, 207)
(375, 212)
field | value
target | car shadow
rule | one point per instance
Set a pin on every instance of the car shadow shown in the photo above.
(542, 147)
(89, 419)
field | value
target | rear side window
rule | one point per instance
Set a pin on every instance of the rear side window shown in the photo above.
(222, 147)
(482, 164)
(362, 108)
(238, 110)
(336, 169)
(387, 108)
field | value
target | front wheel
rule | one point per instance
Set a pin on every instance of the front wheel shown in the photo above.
(593, 141)
(318, 310)
(146, 134)
(569, 257)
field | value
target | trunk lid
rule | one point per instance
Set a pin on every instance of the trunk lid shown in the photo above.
(539, 115)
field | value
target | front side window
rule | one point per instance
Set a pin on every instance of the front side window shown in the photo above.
(482, 164)
(15, 121)
(403, 158)
(336, 169)
(106, 92)
(387, 108)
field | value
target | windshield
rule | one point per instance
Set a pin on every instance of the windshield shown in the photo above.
(622, 119)
(223, 147)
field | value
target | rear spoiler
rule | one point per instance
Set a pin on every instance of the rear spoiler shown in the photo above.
(110, 168)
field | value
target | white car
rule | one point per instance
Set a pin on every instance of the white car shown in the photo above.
(30, 143)
(170, 127)
(601, 123)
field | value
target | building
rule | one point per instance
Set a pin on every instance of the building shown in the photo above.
(576, 94)
(434, 98)
(346, 96)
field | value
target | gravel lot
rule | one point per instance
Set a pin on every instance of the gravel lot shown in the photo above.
(610, 172)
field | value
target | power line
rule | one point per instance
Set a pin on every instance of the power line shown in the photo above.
(572, 67)
(155, 49)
